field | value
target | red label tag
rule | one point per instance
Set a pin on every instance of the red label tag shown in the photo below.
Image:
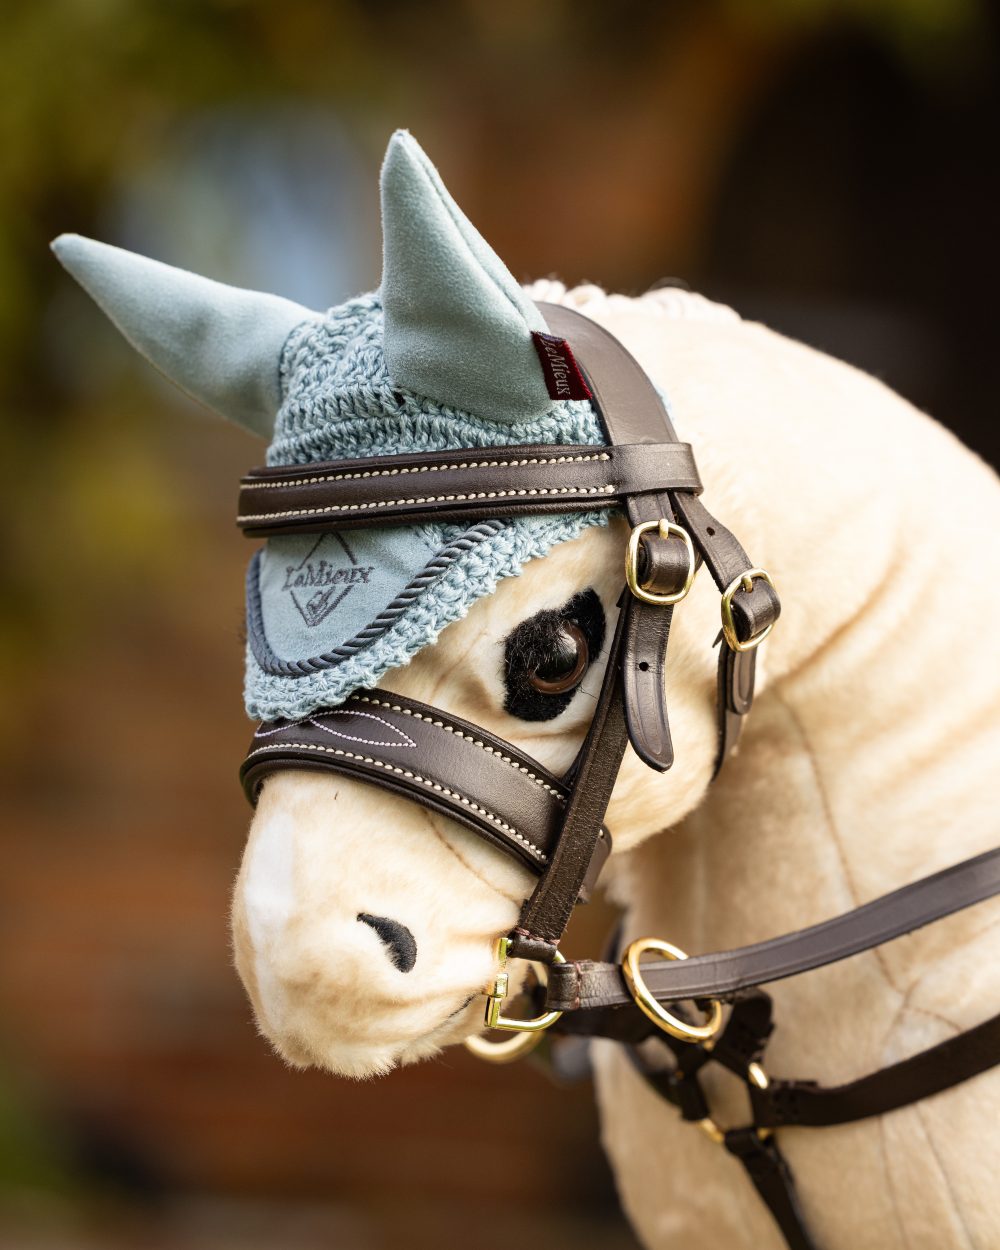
(562, 373)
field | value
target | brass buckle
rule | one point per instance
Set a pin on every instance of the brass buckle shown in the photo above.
(745, 582)
(648, 1005)
(666, 528)
(528, 1032)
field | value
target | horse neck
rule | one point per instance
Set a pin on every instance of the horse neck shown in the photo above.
(864, 762)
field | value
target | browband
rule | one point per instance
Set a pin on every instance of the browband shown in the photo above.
(474, 484)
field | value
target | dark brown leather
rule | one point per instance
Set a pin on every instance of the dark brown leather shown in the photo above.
(783, 1103)
(735, 680)
(442, 762)
(589, 984)
(930, 1072)
(632, 413)
(772, 1178)
(467, 485)
(546, 913)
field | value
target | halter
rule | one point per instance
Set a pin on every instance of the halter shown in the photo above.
(554, 824)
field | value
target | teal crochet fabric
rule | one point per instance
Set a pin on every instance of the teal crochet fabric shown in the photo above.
(441, 358)
(314, 603)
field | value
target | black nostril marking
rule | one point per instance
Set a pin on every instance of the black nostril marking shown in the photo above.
(397, 937)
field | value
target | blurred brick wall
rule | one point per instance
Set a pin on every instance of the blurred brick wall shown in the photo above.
(121, 1012)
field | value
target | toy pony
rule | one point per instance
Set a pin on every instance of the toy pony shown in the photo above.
(393, 613)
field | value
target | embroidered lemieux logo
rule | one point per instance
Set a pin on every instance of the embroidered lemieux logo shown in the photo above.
(562, 374)
(318, 585)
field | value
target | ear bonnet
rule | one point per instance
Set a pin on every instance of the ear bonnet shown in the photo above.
(440, 357)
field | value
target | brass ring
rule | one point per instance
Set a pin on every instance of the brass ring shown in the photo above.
(648, 1005)
(508, 1051)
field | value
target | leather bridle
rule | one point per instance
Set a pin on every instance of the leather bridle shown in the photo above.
(553, 824)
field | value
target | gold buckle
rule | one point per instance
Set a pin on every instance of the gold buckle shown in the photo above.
(666, 528)
(529, 1032)
(648, 1005)
(745, 582)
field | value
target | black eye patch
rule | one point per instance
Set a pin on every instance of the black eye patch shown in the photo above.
(549, 650)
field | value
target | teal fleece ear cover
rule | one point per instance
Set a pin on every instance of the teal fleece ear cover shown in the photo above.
(218, 343)
(441, 357)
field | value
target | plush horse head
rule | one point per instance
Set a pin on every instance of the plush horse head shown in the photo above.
(364, 924)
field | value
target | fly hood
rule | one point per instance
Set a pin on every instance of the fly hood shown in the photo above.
(446, 355)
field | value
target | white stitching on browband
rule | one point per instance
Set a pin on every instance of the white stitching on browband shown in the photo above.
(476, 742)
(424, 468)
(392, 503)
(410, 776)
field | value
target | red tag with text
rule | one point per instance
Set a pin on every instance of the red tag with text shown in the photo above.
(562, 374)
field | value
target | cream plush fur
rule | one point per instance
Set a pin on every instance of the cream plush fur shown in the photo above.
(867, 762)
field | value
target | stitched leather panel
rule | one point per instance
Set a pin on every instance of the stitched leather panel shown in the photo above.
(472, 484)
(440, 761)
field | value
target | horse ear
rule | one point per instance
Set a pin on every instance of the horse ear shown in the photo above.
(457, 325)
(218, 343)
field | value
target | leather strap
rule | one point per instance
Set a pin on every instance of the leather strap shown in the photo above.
(772, 1178)
(588, 984)
(920, 1076)
(546, 913)
(633, 413)
(443, 762)
(473, 484)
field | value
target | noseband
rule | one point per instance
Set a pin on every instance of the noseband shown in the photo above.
(553, 824)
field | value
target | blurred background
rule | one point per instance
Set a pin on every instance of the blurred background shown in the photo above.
(828, 167)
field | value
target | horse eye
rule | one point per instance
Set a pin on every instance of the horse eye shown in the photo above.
(547, 656)
(566, 664)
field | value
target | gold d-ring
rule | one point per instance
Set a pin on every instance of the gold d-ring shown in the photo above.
(527, 1033)
(648, 1005)
(497, 992)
